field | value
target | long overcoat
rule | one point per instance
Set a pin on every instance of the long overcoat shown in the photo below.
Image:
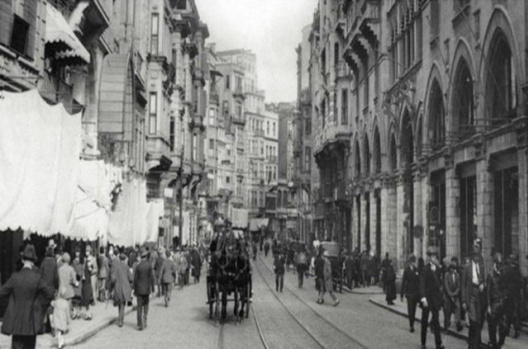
(121, 280)
(25, 314)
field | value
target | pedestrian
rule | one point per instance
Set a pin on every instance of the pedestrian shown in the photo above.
(266, 248)
(452, 295)
(496, 300)
(67, 278)
(431, 297)
(513, 281)
(158, 264)
(365, 260)
(410, 287)
(473, 298)
(167, 277)
(196, 263)
(23, 318)
(78, 267)
(187, 256)
(61, 316)
(279, 268)
(49, 272)
(143, 280)
(120, 286)
(301, 261)
(384, 265)
(94, 270)
(390, 283)
(328, 281)
(254, 251)
(349, 270)
(87, 296)
(102, 274)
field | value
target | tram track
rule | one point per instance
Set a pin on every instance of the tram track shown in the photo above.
(353, 341)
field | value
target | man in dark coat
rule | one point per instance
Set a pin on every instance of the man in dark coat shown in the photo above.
(431, 297)
(120, 281)
(50, 273)
(24, 316)
(473, 286)
(410, 287)
(452, 295)
(143, 281)
(513, 281)
(158, 264)
(496, 299)
(167, 277)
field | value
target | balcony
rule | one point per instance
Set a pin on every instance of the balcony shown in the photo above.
(331, 134)
(370, 19)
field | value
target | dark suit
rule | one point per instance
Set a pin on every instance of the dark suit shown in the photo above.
(167, 277)
(143, 281)
(474, 300)
(24, 316)
(431, 290)
(411, 288)
(452, 297)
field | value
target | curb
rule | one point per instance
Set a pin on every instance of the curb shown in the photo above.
(93, 331)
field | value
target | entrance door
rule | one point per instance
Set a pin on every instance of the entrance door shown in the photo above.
(506, 194)
(468, 219)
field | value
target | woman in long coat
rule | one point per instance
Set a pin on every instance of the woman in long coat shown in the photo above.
(121, 280)
(24, 316)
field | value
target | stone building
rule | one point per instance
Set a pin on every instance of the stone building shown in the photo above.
(421, 106)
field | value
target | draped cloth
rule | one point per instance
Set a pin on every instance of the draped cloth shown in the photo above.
(39, 156)
(156, 210)
(127, 225)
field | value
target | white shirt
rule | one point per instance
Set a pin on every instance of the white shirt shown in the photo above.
(475, 273)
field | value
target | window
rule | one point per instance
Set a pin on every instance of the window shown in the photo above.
(239, 111)
(195, 147)
(228, 179)
(308, 126)
(181, 4)
(336, 54)
(153, 113)
(172, 134)
(463, 101)
(211, 117)
(436, 117)
(19, 36)
(500, 82)
(307, 159)
(228, 82)
(154, 34)
(267, 127)
(211, 144)
(344, 107)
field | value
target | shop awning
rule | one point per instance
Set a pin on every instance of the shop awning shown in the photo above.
(155, 213)
(90, 221)
(61, 40)
(39, 156)
(258, 223)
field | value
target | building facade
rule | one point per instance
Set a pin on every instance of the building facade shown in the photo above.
(421, 107)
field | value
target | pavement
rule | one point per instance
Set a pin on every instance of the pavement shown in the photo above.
(80, 330)
(400, 308)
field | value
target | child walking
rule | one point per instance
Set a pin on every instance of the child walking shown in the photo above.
(61, 316)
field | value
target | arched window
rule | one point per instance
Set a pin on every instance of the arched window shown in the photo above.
(393, 154)
(464, 119)
(436, 117)
(366, 156)
(377, 152)
(500, 82)
(357, 160)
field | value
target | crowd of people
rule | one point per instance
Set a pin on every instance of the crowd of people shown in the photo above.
(59, 290)
(465, 291)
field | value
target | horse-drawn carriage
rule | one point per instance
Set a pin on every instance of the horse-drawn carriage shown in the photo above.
(229, 276)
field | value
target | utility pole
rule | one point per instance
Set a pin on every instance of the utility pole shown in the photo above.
(180, 189)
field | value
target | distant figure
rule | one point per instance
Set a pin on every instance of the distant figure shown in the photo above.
(301, 260)
(328, 282)
(452, 295)
(279, 266)
(266, 248)
(167, 277)
(102, 274)
(120, 286)
(496, 299)
(410, 287)
(390, 283)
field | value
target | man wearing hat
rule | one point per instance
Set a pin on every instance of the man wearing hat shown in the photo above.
(411, 288)
(24, 317)
(496, 297)
(431, 297)
(473, 286)
(452, 295)
(143, 282)
(513, 280)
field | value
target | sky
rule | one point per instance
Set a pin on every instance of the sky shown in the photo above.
(270, 28)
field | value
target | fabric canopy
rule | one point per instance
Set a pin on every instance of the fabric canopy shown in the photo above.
(59, 34)
(39, 152)
(258, 223)
(155, 212)
(239, 218)
(127, 225)
(96, 182)
(90, 221)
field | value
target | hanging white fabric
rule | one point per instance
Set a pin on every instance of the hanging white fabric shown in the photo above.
(155, 213)
(39, 157)
(90, 221)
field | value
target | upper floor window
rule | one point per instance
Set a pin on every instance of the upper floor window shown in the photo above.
(436, 116)
(344, 107)
(154, 34)
(153, 112)
(463, 100)
(228, 82)
(17, 27)
(181, 4)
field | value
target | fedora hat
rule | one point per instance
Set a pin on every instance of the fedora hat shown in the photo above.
(143, 251)
(432, 251)
(29, 253)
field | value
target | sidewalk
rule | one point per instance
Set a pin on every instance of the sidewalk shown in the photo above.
(401, 309)
(80, 330)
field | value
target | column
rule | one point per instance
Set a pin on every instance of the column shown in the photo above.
(418, 209)
(452, 213)
(355, 229)
(373, 216)
(522, 156)
(363, 227)
(485, 209)
(399, 227)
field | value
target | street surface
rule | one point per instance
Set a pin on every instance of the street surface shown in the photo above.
(290, 319)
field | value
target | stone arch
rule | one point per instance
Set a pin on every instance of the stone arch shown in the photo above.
(406, 138)
(393, 152)
(376, 150)
(500, 22)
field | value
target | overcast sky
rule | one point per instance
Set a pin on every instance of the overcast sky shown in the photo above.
(270, 28)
